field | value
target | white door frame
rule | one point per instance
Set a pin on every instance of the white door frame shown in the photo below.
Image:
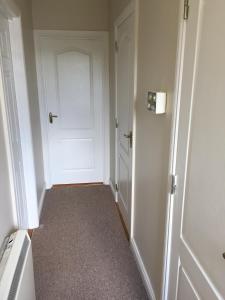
(25, 208)
(132, 8)
(100, 36)
(173, 153)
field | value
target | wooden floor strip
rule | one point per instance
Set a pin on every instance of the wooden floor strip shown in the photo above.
(77, 185)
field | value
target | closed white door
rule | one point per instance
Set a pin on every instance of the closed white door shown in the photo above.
(125, 103)
(197, 268)
(73, 71)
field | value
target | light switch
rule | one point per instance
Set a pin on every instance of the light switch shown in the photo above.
(156, 102)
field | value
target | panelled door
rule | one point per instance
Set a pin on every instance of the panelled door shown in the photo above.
(73, 70)
(125, 102)
(197, 268)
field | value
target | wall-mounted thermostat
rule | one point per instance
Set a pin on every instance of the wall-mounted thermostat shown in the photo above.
(157, 102)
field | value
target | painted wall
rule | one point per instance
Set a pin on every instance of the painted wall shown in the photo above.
(71, 14)
(158, 30)
(26, 11)
(7, 220)
(158, 27)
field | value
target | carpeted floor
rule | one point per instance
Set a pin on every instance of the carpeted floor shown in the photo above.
(81, 251)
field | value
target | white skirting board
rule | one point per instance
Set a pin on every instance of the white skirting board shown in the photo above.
(113, 189)
(41, 201)
(143, 272)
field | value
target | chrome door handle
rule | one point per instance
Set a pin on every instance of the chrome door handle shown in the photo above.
(51, 117)
(130, 137)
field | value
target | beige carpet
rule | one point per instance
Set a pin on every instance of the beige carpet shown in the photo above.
(81, 251)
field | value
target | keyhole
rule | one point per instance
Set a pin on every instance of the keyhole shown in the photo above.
(224, 255)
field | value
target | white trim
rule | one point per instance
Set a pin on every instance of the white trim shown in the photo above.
(31, 213)
(8, 152)
(86, 35)
(41, 201)
(113, 190)
(172, 161)
(173, 154)
(131, 8)
(26, 204)
(106, 117)
(143, 271)
(136, 11)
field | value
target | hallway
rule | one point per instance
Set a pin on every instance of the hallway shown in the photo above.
(81, 251)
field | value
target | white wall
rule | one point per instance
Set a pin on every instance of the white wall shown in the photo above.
(7, 220)
(158, 28)
(71, 14)
(25, 7)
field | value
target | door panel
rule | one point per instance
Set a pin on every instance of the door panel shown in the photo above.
(199, 223)
(85, 146)
(75, 90)
(125, 98)
(186, 290)
(73, 75)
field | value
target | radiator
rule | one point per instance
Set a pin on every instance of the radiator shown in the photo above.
(16, 268)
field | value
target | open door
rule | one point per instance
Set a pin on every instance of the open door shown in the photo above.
(125, 70)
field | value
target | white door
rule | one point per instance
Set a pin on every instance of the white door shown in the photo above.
(73, 73)
(125, 103)
(10, 108)
(197, 268)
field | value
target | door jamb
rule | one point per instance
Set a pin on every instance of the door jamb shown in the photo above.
(173, 155)
(25, 209)
(132, 7)
(101, 36)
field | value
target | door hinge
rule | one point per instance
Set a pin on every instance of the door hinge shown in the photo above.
(116, 46)
(117, 188)
(186, 9)
(174, 179)
(116, 123)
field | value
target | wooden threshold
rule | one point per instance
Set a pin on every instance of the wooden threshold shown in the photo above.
(77, 185)
(123, 223)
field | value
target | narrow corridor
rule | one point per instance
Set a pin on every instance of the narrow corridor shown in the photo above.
(81, 251)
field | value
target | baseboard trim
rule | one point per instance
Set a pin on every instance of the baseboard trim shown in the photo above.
(112, 188)
(142, 269)
(41, 201)
(123, 223)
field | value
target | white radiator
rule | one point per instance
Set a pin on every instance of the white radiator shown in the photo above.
(16, 268)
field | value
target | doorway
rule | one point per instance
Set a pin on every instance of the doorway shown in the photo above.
(73, 87)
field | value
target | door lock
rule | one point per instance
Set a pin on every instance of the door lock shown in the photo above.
(51, 117)
(130, 137)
